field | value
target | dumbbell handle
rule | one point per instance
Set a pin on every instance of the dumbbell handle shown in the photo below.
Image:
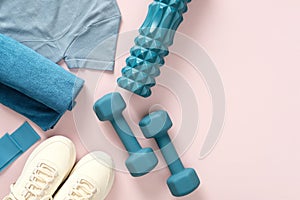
(170, 154)
(125, 133)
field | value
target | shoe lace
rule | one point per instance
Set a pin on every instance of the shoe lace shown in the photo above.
(12, 197)
(82, 190)
(43, 175)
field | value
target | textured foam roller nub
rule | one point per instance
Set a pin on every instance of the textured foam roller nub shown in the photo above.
(151, 46)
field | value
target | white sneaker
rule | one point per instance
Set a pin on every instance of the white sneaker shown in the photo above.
(91, 178)
(46, 168)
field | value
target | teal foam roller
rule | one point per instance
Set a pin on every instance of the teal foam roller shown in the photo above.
(151, 46)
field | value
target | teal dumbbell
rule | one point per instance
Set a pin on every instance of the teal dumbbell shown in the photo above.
(183, 180)
(140, 160)
(151, 46)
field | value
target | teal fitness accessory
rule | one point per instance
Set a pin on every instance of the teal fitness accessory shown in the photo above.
(34, 86)
(141, 160)
(183, 180)
(12, 146)
(151, 46)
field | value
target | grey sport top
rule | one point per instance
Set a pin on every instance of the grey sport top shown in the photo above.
(82, 32)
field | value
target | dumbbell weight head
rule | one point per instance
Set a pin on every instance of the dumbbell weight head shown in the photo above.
(184, 182)
(156, 124)
(141, 162)
(109, 105)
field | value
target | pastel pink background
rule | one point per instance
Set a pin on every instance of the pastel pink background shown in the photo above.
(256, 47)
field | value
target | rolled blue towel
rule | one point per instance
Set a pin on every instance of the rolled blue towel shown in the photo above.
(34, 86)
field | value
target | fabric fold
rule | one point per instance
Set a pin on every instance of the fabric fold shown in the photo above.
(34, 86)
(82, 32)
